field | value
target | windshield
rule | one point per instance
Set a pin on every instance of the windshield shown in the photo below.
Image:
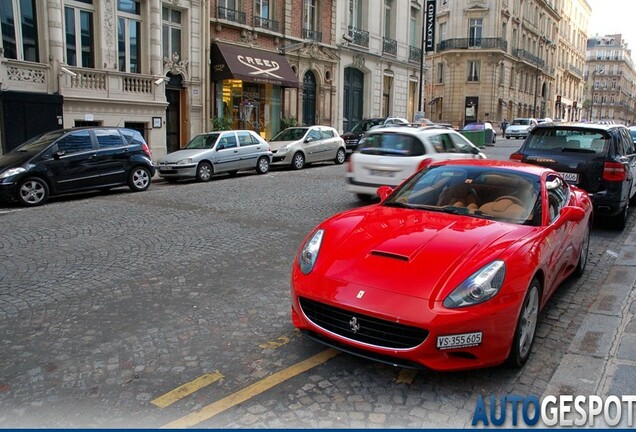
(206, 141)
(365, 125)
(633, 132)
(568, 140)
(40, 142)
(290, 134)
(483, 192)
(391, 144)
(524, 122)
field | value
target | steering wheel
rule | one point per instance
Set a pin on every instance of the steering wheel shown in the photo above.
(512, 198)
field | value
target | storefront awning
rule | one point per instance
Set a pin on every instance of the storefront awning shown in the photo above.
(251, 65)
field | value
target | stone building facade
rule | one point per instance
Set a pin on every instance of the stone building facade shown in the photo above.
(134, 63)
(611, 80)
(500, 59)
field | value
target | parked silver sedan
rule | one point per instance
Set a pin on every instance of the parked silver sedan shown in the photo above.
(217, 152)
(297, 146)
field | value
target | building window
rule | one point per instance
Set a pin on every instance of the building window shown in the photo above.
(473, 70)
(19, 29)
(442, 31)
(261, 8)
(310, 15)
(386, 95)
(413, 28)
(440, 73)
(388, 18)
(355, 13)
(171, 32)
(80, 36)
(474, 31)
(129, 35)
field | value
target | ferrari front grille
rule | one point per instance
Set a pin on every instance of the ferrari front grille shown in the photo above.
(362, 328)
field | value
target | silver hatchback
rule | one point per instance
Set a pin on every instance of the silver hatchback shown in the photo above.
(217, 152)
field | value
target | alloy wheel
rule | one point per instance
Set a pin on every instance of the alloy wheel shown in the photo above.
(529, 316)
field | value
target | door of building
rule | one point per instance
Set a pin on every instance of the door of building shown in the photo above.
(353, 89)
(309, 99)
(174, 113)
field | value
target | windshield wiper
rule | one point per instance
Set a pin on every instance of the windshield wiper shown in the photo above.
(578, 150)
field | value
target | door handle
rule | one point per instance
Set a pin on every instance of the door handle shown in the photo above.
(235, 151)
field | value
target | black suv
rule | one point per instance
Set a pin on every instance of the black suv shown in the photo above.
(71, 160)
(598, 158)
(352, 137)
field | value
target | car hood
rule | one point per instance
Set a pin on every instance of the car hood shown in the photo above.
(411, 252)
(275, 145)
(14, 159)
(184, 154)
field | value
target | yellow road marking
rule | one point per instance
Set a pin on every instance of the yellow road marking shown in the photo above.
(252, 390)
(280, 341)
(406, 376)
(186, 389)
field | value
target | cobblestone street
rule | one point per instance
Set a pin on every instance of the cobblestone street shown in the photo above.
(110, 300)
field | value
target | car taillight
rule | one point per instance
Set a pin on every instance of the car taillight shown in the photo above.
(146, 149)
(614, 171)
(424, 164)
(517, 157)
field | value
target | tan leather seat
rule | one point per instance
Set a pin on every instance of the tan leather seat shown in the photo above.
(460, 195)
(504, 208)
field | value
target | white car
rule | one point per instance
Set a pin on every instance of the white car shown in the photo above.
(389, 156)
(520, 127)
(297, 146)
(217, 152)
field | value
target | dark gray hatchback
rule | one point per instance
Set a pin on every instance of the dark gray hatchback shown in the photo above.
(598, 158)
(71, 160)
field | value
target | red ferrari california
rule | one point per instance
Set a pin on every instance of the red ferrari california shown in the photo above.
(449, 271)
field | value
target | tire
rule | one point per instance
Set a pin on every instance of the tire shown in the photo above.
(204, 172)
(585, 247)
(619, 221)
(298, 161)
(32, 192)
(340, 157)
(262, 165)
(139, 179)
(526, 326)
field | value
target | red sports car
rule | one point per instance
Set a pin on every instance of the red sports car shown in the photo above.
(449, 271)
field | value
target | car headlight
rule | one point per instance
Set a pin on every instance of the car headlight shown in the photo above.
(309, 252)
(481, 286)
(11, 172)
(184, 161)
(283, 149)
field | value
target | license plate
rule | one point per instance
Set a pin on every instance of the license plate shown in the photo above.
(459, 340)
(381, 173)
(570, 177)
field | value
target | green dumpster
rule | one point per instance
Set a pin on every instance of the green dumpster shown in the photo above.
(476, 137)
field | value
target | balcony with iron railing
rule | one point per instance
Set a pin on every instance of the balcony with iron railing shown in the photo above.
(415, 54)
(576, 71)
(230, 15)
(472, 43)
(312, 35)
(389, 46)
(360, 37)
(529, 57)
(266, 24)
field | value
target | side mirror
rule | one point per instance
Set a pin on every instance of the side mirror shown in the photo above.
(309, 139)
(572, 214)
(58, 154)
(220, 146)
(383, 192)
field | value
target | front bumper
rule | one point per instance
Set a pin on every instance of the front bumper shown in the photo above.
(496, 320)
(177, 171)
(516, 133)
(282, 158)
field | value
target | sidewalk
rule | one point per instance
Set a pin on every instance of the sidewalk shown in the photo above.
(601, 359)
